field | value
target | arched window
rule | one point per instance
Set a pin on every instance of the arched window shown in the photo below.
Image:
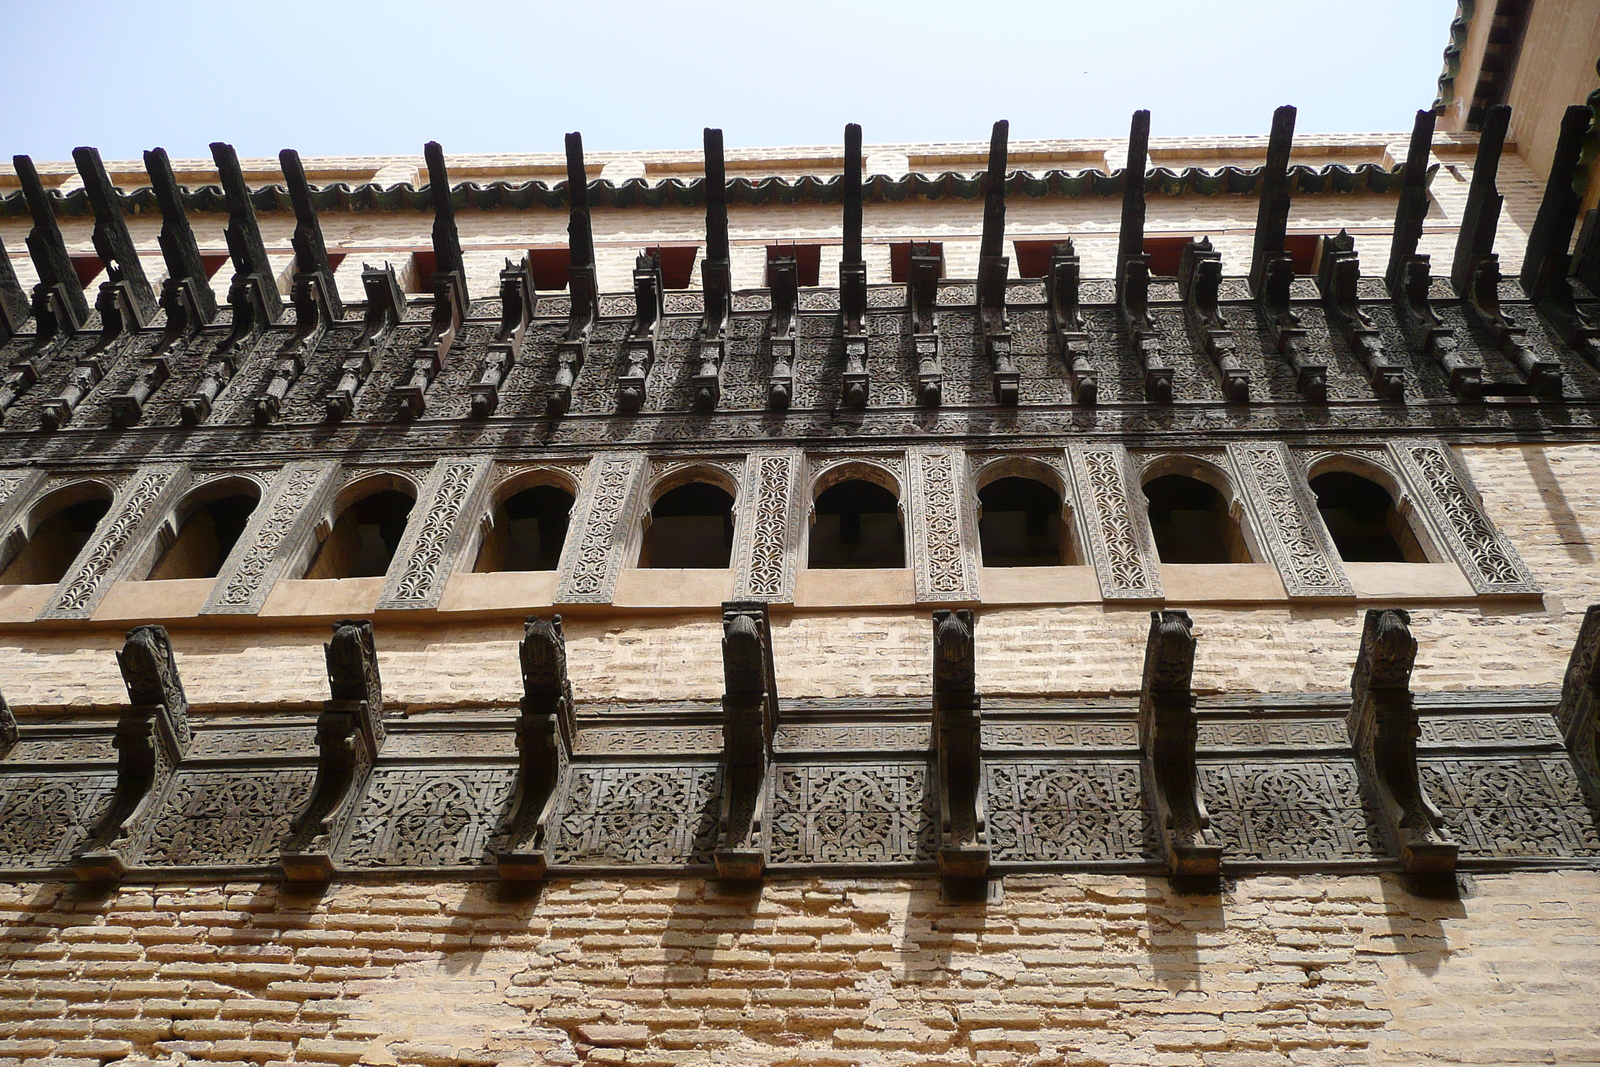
(857, 525)
(527, 531)
(56, 542)
(1363, 521)
(690, 526)
(1191, 523)
(1021, 525)
(365, 537)
(205, 538)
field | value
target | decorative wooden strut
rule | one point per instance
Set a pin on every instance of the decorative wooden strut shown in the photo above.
(716, 281)
(316, 297)
(1339, 280)
(152, 736)
(644, 334)
(922, 321)
(186, 294)
(1199, 279)
(1475, 271)
(13, 301)
(1133, 268)
(350, 734)
(1272, 268)
(857, 380)
(783, 280)
(1546, 263)
(59, 310)
(386, 306)
(749, 720)
(518, 300)
(992, 270)
(1578, 713)
(958, 745)
(1167, 736)
(8, 727)
(449, 284)
(125, 302)
(1410, 276)
(545, 734)
(1383, 727)
(581, 281)
(1067, 328)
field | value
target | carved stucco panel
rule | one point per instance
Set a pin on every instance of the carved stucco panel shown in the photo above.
(604, 518)
(1286, 519)
(285, 516)
(1114, 523)
(768, 528)
(450, 499)
(140, 503)
(1452, 507)
(943, 536)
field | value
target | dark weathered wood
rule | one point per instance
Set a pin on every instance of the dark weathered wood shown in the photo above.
(1411, 210)
(13, 301)
(749, 720)
(113, 244)
(958, 746)
(857, 382)
(644, 334)
(449, 286)
(1068, 331)
(518, 301)
(59, 306)
(1199, 280)
(1339, 278)
(1167, 738)
(1133, 268)
(1272, 213)
(993, 268)
(581, 281)
(1544, 264)
(243, 235)
(922, 320)
(386, 307)
(783, 279)
(1481, 216)
(716, 280)
(310, 250)
(545, 731)
(178, 247)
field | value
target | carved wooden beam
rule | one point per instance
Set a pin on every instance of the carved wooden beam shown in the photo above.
(449, 283)
(749, 720)
(857, 380)
(518, 300)
(783, 280)
(1339, 279)
(350, 734)
(1133, 267)
(1167, 736)
(922, 321)
(1272, 212)
(716, 280)
(14, 311)
(958, 743)
(1578, 713)
(152, 736)
(992, 270)
(1067, 328)
(8, 728)
(386, 306)
(1546, 264)
(644, 335)
(1383, 727)
(544, 748)
(1199, 279)
(59, 308)
(581, 281)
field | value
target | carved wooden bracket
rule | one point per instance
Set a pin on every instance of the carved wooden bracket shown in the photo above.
(749, 720)
(1199, 279)
(1167, 736)
(518, 300)
(8, 727)
(1067, 327)
(1546, 263)
(582, 284)
(1338, 278)
(857, 380)
(253, 294)
(992, 270)
(1383, 727)
(545, 734)
(783, 279)
(716, 280)
(152, 736)
(1133, 268)
(958, 743)
(350, 734)
(922, 321)
(1578, 714)
(59, 308)
(386, 307)
(451, 303)
(13, 301)
(644, 335)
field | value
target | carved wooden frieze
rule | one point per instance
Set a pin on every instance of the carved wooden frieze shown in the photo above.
(1300, 810)
(442, 520)
(1454, 510)
(604, 518)
(140, 504)
(1286, 518)
(223, 817)
(657, 815)
(1065, 810)
(281, 522)
(942, 528)
(1057, 734)
(45, 817)
(1533, 806)
(428, 817)
(1114, 524)
(853, 814)
(768, 529)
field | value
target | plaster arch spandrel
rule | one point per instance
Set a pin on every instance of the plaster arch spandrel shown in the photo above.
(1116, 531)
(1284, 513)
(431, 545)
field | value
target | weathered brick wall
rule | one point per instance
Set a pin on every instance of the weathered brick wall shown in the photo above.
(1069, 969)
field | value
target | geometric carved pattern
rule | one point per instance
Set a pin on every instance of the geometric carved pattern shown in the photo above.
(1120, 545)
(1273, 733)
(1064, 810)
(44, 817)
(46, 749)
(427, 550)
(290, 503)
(86, 581)
(1081, 734)
(213, 817)
(659, 815)
(1500, 806)
(602, 524)
(1489, 730)
(852, 813)
(437, 745)
(1488, 559)
(1287, 518)
(852, 738)
(428, 817)
(766, 527)
(658, 739)
(940, 538)
(1290, 811)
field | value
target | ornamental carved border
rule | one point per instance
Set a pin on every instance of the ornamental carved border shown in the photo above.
(426, 554)
(1454, 508)
(1294, 811)
(768, 527)
(604, 518)
(1114, 523)
(1065, 810)
(281, 521)
(143, 500)
(943, 537)
(1288, 523)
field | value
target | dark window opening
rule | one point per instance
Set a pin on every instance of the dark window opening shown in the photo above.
(807, 262)
(857, 525)
(1033, 257)
(205, 539)
(1191, 523)
(528, 532)
(419, 279)
(364, 539)
(900, 257)
(55, 543)
(212, 262)
(1362, 520)
(1021, 525)
(690, 526)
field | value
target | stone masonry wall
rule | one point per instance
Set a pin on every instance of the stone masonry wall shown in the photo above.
(1069, 969)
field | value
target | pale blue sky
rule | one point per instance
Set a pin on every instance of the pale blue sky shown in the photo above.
(486, 75)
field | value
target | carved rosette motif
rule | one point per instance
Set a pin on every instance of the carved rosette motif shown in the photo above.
(941, 540)
(242, 588)
(766, 554)
(658, 815)
(216, 818)
(1118, 535)
(1064, 810)
(1287, 519)
(1488, 560)
(97, 564)
(428, 817)
(429, 547)
(603, 522)
(1290, 811)
(856, 813)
